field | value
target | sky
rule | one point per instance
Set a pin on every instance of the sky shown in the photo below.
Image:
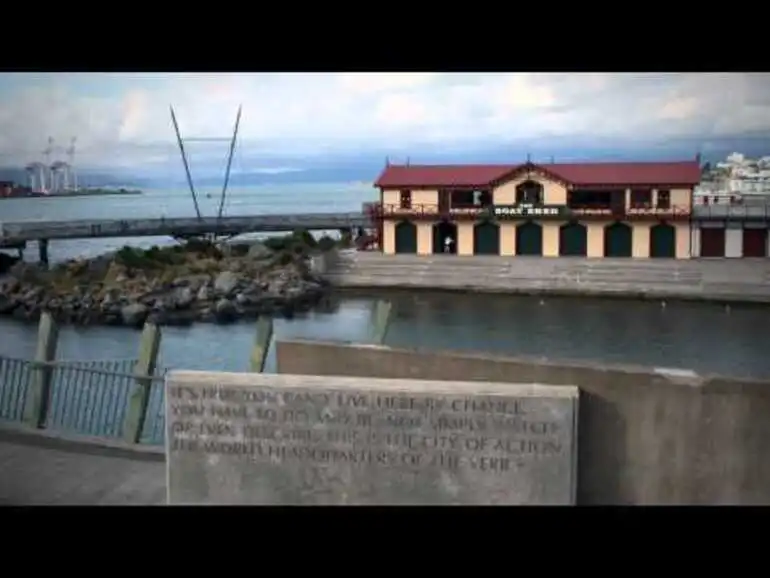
(290, 120)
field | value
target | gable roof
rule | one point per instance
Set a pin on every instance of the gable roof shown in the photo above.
(685, 173)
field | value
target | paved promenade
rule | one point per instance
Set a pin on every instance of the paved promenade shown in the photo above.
(36, 469)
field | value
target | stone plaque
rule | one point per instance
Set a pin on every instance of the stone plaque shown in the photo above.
(252, 438)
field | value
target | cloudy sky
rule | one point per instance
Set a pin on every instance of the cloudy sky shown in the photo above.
(122, 120)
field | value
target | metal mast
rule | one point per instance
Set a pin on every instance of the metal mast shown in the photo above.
(184, 160)
(229, 162)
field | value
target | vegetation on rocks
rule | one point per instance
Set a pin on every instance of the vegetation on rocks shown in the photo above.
(194, 281)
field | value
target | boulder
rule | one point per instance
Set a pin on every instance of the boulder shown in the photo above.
(134, 314)
(259, 252)
(226, 282)
(225, 311)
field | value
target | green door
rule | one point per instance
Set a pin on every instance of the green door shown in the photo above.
(406, 237)
(663, 241)
(617, 240)
(486, 239)
(573, 240)
(529, 239)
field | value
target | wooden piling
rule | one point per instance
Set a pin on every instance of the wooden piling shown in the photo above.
(38, 398)
(136, 412)
(261, 344)
(42, 248)
(381, 321)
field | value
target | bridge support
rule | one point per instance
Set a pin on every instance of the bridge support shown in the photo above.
(42, 247)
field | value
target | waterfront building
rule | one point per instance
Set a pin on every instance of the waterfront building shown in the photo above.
(540, 209)
(731, 226)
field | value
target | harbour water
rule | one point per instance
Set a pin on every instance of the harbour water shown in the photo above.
(703, 337)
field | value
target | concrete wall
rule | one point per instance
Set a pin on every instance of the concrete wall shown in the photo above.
(718, 279)
(645, 436)
(734, 241)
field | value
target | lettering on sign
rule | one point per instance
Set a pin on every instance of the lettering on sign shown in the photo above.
(518, 211)
(486, 434)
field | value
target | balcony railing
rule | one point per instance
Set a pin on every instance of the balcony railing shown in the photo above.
(431, 212)
(748, 212)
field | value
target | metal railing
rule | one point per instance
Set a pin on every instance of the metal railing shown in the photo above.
(432, 211)
(86, 397)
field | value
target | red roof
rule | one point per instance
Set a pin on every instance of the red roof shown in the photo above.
(685, 173)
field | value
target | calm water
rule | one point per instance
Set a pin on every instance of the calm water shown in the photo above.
(696, 336)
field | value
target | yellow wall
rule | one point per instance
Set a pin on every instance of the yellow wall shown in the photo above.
(594, 231)
(507, 238)
(424, 238)
(550, 239)
(682, 240)
(553, 193)
(389, 237)
(425, 200)
(640, 240)
(465, 238)
(595, 241)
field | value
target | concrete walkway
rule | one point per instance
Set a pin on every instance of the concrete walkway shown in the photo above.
(44, 469)
(738, 280)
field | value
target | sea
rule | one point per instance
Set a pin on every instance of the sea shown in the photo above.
(702, 337)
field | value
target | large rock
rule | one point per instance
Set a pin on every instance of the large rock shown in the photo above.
(134, 314)
(226, 282)
(183, 297)
(225, 311)
(258, 252)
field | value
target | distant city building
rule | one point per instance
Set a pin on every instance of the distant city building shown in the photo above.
(738, 175)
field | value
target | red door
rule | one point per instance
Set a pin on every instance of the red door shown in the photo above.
(755, 242)
(712, 242)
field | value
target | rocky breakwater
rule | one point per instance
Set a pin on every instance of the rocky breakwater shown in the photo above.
(178, 285)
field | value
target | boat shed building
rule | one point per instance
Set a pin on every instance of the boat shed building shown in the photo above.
(629, 209)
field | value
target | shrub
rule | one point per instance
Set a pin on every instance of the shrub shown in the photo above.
(278, 243)
(305, 237)
(132, 257)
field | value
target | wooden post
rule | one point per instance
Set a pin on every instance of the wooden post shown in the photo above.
(261, 344)
(136, 413)
(381, 321)
(39, 393)
(42, 247)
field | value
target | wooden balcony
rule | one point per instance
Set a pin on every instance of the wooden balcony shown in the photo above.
(431, 213)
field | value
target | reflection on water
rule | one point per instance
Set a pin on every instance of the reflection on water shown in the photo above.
(707, 338)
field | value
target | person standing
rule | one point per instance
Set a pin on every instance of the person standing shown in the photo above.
(448, 244)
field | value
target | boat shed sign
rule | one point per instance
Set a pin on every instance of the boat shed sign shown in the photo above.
(526, 211)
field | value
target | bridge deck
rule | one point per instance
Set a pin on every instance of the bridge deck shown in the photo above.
(176, 227)
(35, 470)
